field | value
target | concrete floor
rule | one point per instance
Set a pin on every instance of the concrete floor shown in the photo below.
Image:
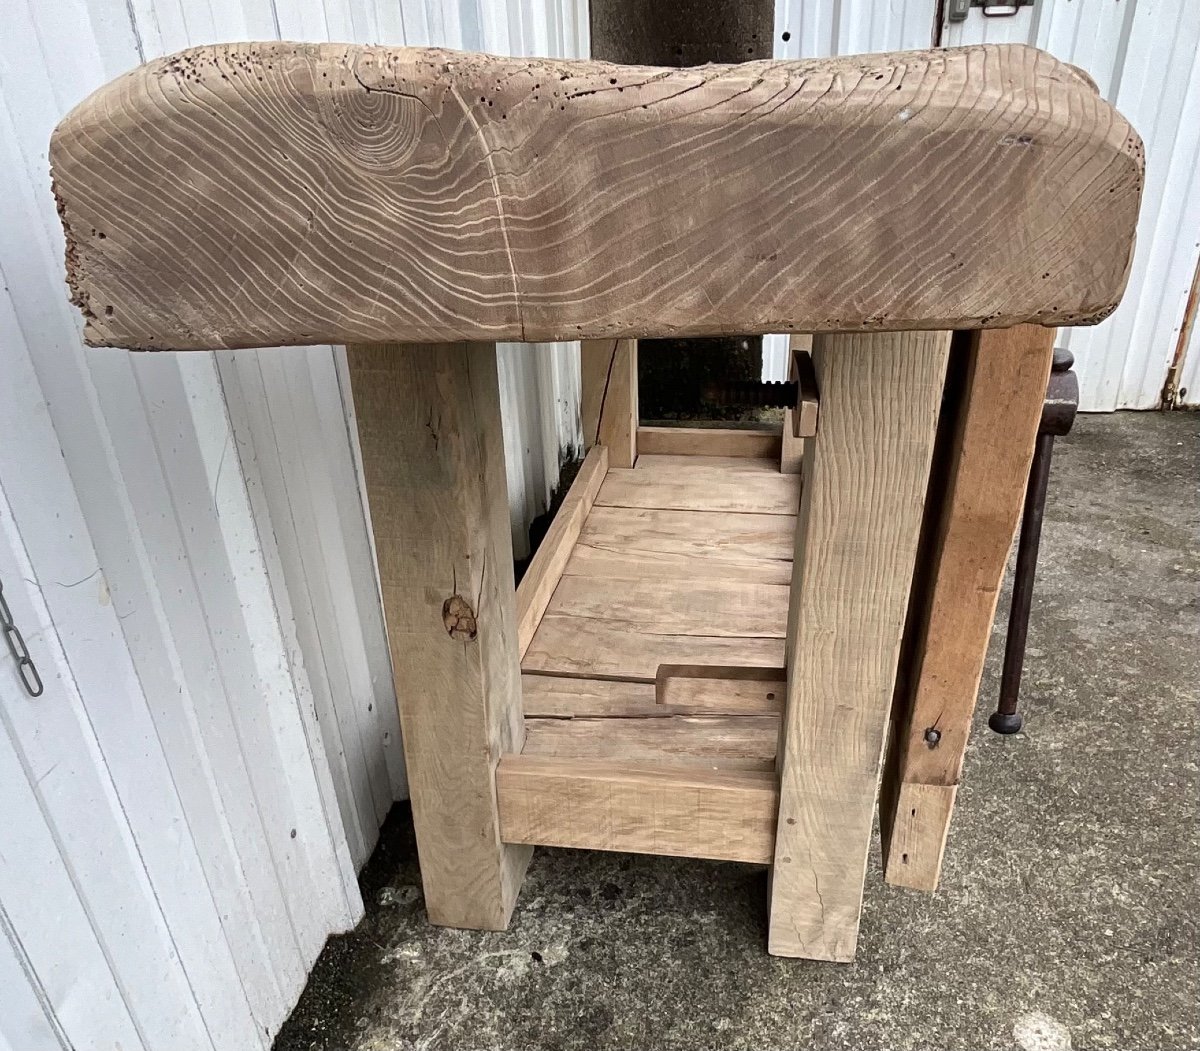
(1067, 914)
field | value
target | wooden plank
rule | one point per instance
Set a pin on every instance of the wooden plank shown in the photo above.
(729, 608)
(697, 535)
(792, 451)
(433, 460)
(565, 697)
(856, 542)
(714, 742)
(568, 645)
(972, 530)
(705, 487)
(587, 561)
(276, 212)
(546, 568)
(642, 808)
(808, 399)
(608, 397)
(708, 441)
(730, 688)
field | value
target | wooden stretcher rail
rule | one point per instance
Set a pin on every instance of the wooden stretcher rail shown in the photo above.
(257, 194)
(643, 808)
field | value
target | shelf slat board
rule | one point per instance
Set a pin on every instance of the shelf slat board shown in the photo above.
(684, 561)
(713, 742)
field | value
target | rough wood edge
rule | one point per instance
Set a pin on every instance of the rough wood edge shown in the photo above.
(808, 399)
(641, 808)
(973, 512)
(708, 441)
(546, 568)
(791, 452)
(608, 397)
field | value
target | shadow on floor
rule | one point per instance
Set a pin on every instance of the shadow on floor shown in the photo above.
(1067, 913)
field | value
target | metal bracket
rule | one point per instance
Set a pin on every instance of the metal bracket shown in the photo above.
(957, 10)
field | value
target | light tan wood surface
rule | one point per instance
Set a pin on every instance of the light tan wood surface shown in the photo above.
(644, 808)
(608, 400)
(564, 697)
(552, 555)
(677, 607)
(433, 460)
(728, 688)
(856, 542)
(700, 536)
(568, 645)
(702, 485)
(257, 194)
(709, 441)
(713, 742)
(987, 468)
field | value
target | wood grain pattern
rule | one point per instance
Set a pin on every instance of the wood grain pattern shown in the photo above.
(714, 742)
(433, 459)
(730, 689)
(612, 649)
(700, 536)
(643, 808)
(702, 486)
(987, 472)
(608, 401)
(708, 441)
(548, 563)
(856, 541)
(564, 697)
(257, 194)
(677, 607)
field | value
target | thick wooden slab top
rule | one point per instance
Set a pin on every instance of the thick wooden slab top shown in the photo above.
(259, 194)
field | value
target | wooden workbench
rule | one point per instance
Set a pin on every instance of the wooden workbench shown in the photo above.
(720, 635)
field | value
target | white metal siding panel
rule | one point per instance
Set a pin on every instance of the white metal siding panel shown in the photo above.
(1143, 56)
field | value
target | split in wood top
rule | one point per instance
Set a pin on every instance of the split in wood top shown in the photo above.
(276, 193)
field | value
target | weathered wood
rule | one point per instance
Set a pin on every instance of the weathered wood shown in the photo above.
(727, 687)
(699, 536)
(589, 561)
(564, 697)
(433, 459)
(703, 484)
(865, 479)
(678, 607)
(713, 742)
(708, 441)
(567, 645)
(244, 195)
(972, 530)
(546, 568)
(804, 416)
(608, 405)
(643, 808)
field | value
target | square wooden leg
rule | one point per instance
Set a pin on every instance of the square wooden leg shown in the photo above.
(865, 478)
(433, 455)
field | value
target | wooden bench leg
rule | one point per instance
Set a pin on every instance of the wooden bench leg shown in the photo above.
(433, 455)
(865, 479)
(986, 470)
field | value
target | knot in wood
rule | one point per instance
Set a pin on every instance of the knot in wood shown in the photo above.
(459, 618)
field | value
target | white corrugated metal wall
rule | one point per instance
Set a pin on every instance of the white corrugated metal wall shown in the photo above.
(1143, 54)
(182, 542)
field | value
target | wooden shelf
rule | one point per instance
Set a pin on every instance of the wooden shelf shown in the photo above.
(678, 562)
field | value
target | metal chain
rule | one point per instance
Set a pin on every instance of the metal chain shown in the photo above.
(30, 678)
